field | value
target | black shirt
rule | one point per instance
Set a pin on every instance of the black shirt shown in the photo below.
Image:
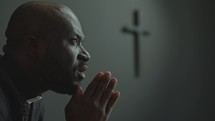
(13, 107)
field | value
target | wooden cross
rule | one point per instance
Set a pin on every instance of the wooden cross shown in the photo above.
(136, 33)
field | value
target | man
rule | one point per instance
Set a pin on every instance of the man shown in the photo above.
(44, 51)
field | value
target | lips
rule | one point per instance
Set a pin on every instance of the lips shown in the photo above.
(81, 71)
(83, 68)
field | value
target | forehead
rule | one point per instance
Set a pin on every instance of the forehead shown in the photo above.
(72, 23)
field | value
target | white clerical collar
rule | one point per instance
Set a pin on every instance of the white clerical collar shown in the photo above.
(31, 100)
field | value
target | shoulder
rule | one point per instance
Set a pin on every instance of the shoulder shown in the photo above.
(4, 105)
(38, 110)
(3, 97)
(4, 102)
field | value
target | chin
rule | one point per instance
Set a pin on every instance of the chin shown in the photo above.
(66, 83)
(66, 87)
(70, 90)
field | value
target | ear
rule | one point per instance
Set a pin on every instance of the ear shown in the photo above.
(34, 47)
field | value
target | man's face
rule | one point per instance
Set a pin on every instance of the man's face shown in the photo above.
(65, 61)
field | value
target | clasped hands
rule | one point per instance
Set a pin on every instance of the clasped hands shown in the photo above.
(96, 103)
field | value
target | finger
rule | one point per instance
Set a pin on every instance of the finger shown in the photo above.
(92, 86)
(75, 98)
(79, 93)
(102, 86)
(108, 92)
(112, 102)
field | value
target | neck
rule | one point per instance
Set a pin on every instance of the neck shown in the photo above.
(28, 88)
(25, 80)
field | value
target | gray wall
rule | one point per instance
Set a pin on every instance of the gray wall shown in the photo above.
(177, 64)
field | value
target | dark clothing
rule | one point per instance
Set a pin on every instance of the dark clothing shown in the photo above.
(13, 107)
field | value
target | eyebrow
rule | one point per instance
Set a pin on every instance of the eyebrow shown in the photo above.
(79, 37)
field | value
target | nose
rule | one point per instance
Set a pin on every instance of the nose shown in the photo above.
(84, 55)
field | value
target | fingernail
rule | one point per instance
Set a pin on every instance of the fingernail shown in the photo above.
(108, 73)
(114, 80)
(117, 93)
(100, 73)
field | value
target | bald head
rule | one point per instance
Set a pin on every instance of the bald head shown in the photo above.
(41, 20)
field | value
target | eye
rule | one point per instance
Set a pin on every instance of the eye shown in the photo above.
(75, 40)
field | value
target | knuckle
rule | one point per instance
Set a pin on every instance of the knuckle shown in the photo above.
(99, 89)
(107, 95)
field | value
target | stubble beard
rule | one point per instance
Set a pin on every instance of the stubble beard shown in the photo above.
(59, 79)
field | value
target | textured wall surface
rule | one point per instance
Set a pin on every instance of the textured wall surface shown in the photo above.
(177, 58)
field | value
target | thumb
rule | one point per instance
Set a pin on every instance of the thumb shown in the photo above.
(79, 93)
(75, 98)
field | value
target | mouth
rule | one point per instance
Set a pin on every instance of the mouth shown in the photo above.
(81, 71)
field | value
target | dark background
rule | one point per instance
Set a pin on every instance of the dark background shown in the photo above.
(177, 58)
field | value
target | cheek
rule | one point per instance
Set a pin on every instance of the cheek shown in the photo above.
(70, 56)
